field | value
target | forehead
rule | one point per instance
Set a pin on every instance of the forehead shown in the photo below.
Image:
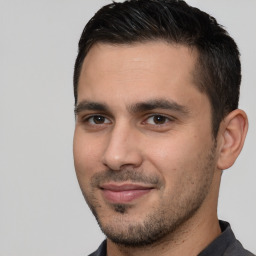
(154, 55)
(138, 72)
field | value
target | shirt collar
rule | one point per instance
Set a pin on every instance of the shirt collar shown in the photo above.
(221, 243)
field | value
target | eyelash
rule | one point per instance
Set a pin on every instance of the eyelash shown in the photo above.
(87, 119)
(166, 119)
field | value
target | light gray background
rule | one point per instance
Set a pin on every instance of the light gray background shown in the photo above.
(42, 211)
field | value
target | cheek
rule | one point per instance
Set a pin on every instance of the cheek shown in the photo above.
(177, 155)
(87, 153)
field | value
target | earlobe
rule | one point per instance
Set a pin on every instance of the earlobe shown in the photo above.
(233, 130)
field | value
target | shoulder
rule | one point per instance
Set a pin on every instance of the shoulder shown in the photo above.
(236, 249)
(225, 244)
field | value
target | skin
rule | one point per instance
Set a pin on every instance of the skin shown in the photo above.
(144, 153)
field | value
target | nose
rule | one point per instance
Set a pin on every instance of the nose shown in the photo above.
(122, 148)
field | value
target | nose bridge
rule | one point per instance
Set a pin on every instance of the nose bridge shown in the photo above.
(122, 147)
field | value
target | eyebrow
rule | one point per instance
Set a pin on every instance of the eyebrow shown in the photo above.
(134, 108)
(89, 105)
(158, 104)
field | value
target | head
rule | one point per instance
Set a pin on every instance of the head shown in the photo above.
(218, 71)
(156, 88)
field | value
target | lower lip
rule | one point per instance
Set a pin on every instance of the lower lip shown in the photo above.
(124, 196)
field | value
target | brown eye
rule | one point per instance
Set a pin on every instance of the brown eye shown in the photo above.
(157, 120)
(97, 119)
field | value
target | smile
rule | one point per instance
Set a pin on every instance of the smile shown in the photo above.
(124, 193)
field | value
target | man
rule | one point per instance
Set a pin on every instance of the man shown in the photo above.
(156, 86)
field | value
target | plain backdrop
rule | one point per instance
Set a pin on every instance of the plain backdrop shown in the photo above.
(42, 211)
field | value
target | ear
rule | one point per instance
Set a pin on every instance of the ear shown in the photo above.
(232, 133)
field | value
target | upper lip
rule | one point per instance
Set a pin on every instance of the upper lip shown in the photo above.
(124, 187)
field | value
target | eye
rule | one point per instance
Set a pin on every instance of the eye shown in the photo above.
(157, 120)
(97, 119)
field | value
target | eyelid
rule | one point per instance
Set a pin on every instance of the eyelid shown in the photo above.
(168, 118)
(108, 120)
(86, 118)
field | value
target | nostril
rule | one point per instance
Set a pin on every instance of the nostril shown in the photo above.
(124, 159)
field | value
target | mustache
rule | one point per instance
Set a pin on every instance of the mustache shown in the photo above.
(124, 175)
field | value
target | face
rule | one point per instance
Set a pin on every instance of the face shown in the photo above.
(143, 148)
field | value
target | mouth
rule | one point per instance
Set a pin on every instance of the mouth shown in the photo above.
(124, 193)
